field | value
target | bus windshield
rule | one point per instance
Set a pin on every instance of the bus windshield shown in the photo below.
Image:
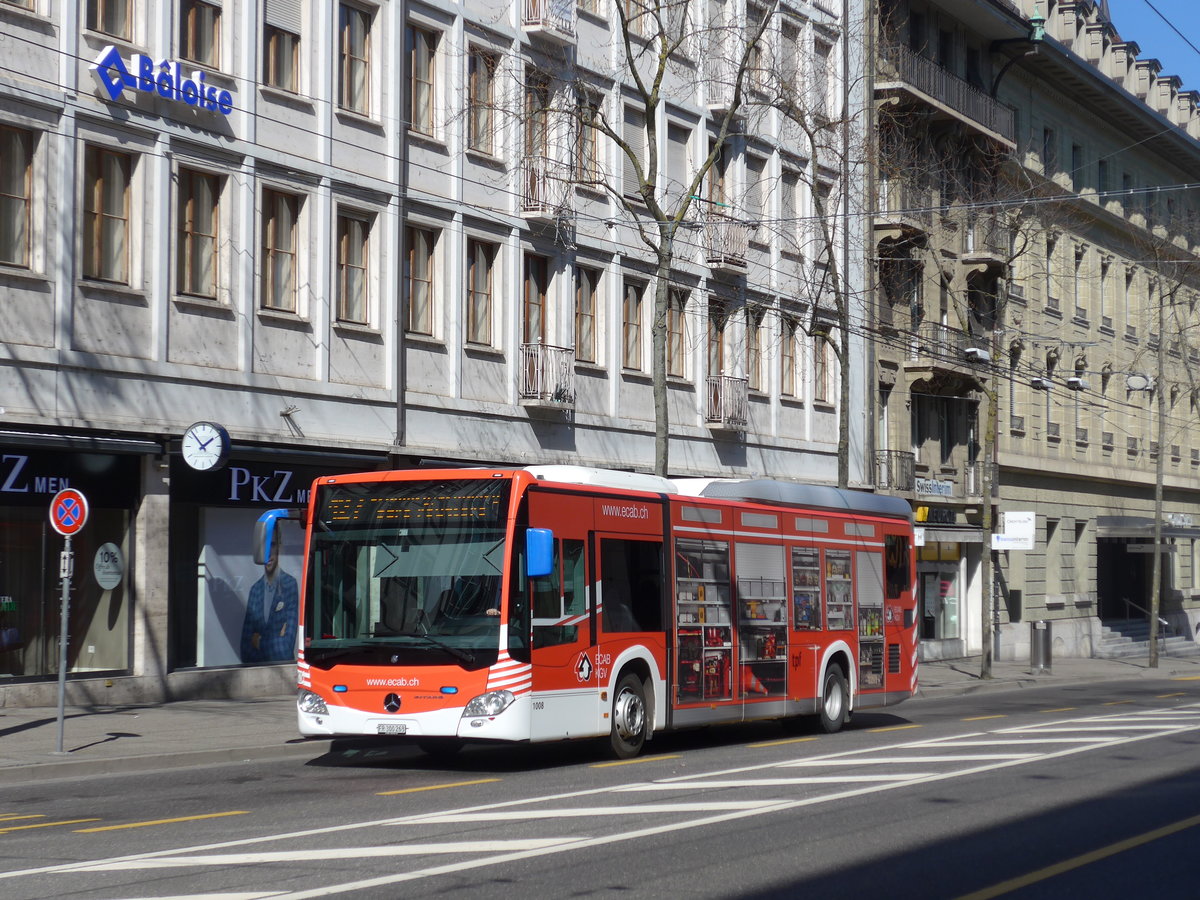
(410, 568)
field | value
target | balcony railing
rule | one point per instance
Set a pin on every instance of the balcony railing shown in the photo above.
(545, 187)
(973, 478)
(986, 236)
(899, 200)
(547, 375)
(943, 345)
(720, 76)
(894, 470)
(726, 240)
(943, 86)
(554, 19)
(728, 401)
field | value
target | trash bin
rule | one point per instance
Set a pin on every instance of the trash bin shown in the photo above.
(1039, 646)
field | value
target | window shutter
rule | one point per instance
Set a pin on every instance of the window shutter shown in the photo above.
(283, 14)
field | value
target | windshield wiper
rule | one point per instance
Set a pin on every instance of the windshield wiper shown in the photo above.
(465, 655)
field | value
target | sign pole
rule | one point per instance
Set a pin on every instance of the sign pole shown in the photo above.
(68, 514)
(66, 568)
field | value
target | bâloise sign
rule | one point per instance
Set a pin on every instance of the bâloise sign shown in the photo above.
(164, 78)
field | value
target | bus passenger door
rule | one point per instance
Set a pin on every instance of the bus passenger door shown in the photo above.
(565, 692)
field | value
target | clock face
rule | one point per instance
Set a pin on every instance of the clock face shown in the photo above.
(205, 446)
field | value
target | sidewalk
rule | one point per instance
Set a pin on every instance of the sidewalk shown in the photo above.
(107, 740)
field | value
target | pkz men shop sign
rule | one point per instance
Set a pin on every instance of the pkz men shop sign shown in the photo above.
(164, 78)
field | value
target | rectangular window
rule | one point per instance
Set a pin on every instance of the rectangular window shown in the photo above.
(16, 165)
(200, 32)
(806, 589)
(789, 381)
(1049, 152)
(715, 338)
(354, 76)
(631, 580)
(631, 325)
(588, 150)
(820, 356)
(196, 252)
(481, 98)
(107, 176)
(754, 354)
(677, 333)
(418, 262)
(110, 17)
(422, 47)
(353, 233)
(278, 274)
(481, 258)
(587, 288)
(281, 52)
(537, 290)
(634, 132)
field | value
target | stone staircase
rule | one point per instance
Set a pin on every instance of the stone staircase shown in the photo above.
(1120, 639)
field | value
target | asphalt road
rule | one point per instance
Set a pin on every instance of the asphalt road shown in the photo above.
(1084, 791)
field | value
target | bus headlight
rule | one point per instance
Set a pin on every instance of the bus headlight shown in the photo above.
(490, 704)
(312, 704)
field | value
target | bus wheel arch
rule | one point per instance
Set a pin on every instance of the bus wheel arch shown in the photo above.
(632, 711)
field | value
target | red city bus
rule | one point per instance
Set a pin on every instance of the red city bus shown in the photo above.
(556, 602)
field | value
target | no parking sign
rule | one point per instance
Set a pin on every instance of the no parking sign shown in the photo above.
(68, 512)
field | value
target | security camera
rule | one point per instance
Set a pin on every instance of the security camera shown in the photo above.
(1040, 384)
(1076, 384)
(977, 354)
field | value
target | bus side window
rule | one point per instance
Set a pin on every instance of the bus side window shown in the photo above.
(546, 592)
(631, 585)
(897, 576)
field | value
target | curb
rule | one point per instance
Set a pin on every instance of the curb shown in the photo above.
(25, 773)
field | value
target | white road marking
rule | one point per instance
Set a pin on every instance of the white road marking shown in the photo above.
(294, 856)
(773, 782)
(905, 760)
(723, 812)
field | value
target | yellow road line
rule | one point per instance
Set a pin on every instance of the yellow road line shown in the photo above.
(46, 825)
(892, 728)
(981, 718)
(436, 787)
(630, 762)
(1117, 702)
(236, 812)
(1167, 696)
(780, 742)
(14, 818)
(1061, 709)
(1022, 881)
(1187, 678)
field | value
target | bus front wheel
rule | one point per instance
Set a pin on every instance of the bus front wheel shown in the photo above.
(629, 723)
(835, 700)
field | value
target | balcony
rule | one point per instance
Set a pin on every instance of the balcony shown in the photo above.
(545, 188)
(550, 19)
(726, 240)
(929, 82)
(894, 470)
(937, 348)
(985, 242)
(905, 210)
(547, 376)
(728, 401)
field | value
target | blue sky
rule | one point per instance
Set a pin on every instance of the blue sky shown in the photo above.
(1136, 20)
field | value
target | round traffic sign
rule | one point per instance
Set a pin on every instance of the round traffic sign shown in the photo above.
(68, 512)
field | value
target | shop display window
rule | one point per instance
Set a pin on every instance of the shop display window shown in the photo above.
(703, 619)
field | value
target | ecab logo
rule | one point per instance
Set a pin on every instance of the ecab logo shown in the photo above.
(164, 78)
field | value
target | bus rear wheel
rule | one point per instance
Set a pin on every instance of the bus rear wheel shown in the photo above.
(835, 700)
(629, 723)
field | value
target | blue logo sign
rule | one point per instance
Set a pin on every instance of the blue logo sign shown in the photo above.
(164, 78)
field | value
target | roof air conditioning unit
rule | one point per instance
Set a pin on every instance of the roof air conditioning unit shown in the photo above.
(977, 354)
(1040, 384)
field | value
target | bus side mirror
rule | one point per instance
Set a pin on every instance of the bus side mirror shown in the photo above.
(539, 552)
(266, 534)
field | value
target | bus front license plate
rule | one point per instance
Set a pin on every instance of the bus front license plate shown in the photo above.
(391, 728)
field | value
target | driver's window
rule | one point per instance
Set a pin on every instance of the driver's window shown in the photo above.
(560, 597)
